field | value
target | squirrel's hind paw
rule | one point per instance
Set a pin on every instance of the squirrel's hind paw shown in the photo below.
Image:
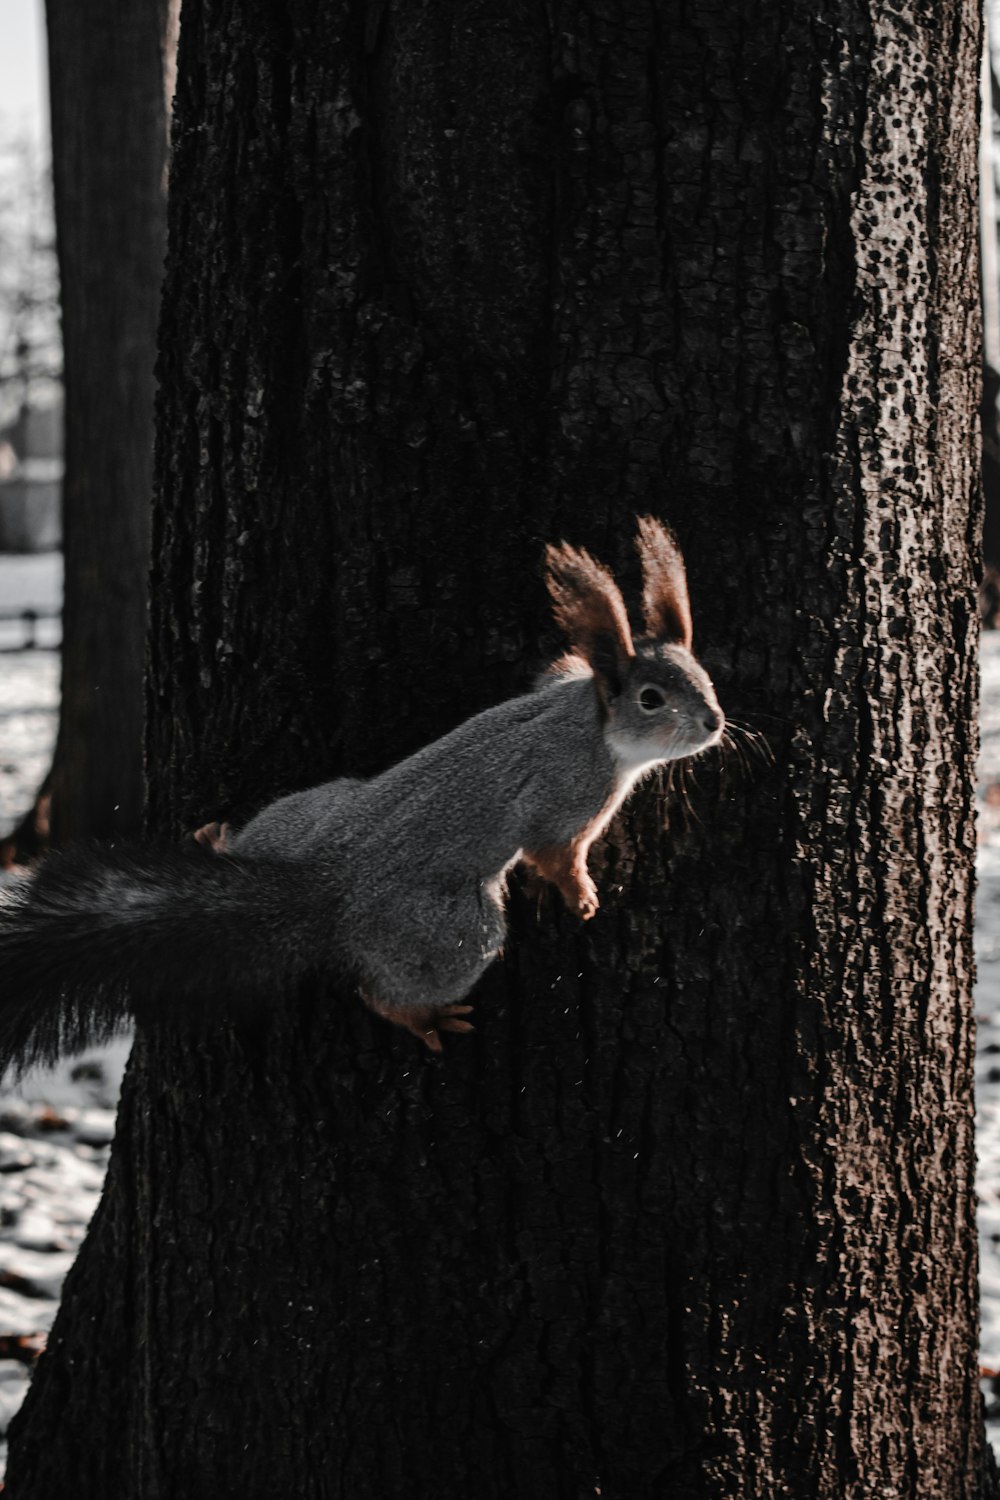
(212, 836)
(424, 1021)
(446, 1018)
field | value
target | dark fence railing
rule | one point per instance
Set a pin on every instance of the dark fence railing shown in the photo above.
(19, 629)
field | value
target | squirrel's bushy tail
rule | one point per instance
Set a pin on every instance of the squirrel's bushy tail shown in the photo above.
(98, 936)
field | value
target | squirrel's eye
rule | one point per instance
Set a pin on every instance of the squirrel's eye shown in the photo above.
(651, 699)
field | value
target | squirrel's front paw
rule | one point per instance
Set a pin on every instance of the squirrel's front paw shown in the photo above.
(585, 900)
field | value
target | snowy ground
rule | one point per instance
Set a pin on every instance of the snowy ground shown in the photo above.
(56, 1129)
(29, 680)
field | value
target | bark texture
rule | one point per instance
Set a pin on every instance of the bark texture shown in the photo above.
(108, 161)
(692, 1214)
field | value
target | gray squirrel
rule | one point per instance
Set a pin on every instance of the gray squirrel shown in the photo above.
(398, 882)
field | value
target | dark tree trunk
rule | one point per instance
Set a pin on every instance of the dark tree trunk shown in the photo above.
(691, 1215)
(108, 159)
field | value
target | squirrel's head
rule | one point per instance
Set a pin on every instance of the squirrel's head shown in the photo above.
(658, 701)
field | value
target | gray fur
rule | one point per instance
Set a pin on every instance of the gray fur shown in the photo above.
(422, 851)
(398, 882)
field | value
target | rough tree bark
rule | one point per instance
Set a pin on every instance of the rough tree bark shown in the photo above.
(106, 69)
(692, 1214)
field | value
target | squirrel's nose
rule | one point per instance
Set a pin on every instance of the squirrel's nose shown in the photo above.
(714, 720)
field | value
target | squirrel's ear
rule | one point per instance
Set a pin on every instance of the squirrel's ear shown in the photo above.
(588, 606)
(665, 603)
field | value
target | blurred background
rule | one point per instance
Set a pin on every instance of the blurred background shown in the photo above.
(31, 423)
(56, 1128)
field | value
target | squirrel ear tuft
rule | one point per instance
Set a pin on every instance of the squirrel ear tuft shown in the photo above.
(588, 606)
(665, 603)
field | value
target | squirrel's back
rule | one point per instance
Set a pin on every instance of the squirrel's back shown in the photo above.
(525, 771)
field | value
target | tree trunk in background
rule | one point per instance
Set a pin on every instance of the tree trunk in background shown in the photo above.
(106, 71)
(691, 1215)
